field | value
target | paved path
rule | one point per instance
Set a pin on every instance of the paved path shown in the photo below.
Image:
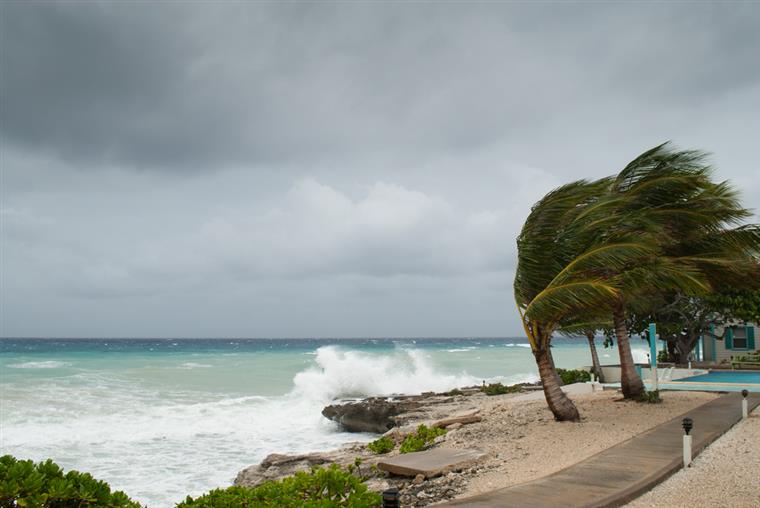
(625, 471)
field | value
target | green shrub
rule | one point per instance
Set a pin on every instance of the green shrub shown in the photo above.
(420, 439)
(382, 445)
(663, 356)
(43, 485)
(320, 488)
(573, 376)
(455, 391)
(651, 397)
(500, 389)
(749, 357)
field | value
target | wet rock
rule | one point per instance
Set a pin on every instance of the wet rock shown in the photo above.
(370, 415)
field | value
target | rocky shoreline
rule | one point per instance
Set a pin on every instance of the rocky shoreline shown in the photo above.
(394, 417)
(516, 433)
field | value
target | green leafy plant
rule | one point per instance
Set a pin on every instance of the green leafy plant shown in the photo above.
(749, 357)
(499, 389)
(663, 356)
(382, 445)
(574, 376)
(455, 391)
(421, 439)
(319, 488)
(651, 397)
(44, 485)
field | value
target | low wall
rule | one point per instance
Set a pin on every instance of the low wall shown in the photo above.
(612, 373)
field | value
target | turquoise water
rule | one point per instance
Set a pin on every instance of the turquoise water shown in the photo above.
(161, 419)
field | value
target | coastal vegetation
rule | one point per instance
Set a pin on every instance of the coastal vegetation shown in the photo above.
(421, 439)
(500, 389)
(320, 487)
(44, 485)
(651, 397)
(682, 319)
(381, 446)
(570, 376)
(594, 252)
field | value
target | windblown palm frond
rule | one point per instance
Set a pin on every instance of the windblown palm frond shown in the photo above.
(660, 225)
(555, 302)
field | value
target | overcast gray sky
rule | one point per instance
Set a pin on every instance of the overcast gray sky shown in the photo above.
(241, 169)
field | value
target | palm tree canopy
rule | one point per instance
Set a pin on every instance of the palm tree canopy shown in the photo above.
(660, 223)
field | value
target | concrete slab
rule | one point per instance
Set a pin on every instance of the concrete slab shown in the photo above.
(431, 463)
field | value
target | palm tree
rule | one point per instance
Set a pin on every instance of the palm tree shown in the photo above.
(587, 326)
(554, 278)
(600, 245)
(590, 246)
(668, 195)
(591, 337)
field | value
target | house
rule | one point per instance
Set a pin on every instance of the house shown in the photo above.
(729, 341)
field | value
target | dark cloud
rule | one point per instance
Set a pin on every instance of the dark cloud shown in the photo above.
(219, 168)
(206, 85)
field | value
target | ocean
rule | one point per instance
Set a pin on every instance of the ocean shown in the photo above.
(164, 418)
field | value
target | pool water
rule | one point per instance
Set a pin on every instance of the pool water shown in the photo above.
(734, 377)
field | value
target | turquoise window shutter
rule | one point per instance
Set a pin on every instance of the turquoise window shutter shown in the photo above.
(751, 338)
(730, 338)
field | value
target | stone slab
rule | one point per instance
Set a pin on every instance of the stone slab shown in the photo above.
(431, 463)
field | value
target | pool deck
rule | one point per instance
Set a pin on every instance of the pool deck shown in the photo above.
(625, 471)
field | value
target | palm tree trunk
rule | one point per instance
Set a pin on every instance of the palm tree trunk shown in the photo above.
(630, 380)
(559, 403)
(595, 356)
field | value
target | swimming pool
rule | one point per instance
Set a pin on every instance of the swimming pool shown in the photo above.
(733, 377)
(715, 381)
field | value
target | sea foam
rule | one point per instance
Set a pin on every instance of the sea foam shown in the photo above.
(348, 373)
(51, 364)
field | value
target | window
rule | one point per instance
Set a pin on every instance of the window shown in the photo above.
(740, 337)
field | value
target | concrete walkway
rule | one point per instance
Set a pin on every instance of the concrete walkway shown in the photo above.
(623, 472)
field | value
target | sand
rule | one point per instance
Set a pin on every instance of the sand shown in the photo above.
(727, 473)
(526, 443)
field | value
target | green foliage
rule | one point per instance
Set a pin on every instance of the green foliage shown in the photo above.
(500, 389)
(573, 376)
(749, 357)
(737, 305)
(319, 488)
(651, 397)
(421, 439)
(382, 445)
(661, 224)
(455, 391)
(44, 485)
(663, 356)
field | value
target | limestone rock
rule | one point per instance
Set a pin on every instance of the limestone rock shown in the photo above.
(277, 466)
(369, 415)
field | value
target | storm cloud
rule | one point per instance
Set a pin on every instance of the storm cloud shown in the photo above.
(331, 169)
